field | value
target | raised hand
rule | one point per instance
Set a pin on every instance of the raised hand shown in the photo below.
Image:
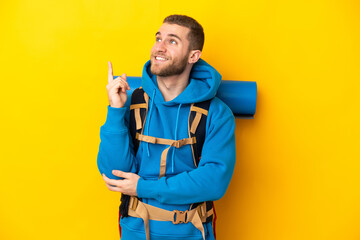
(116, 89)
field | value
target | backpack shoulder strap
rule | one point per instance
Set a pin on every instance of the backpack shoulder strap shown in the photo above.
(197, 127)
(138, 112)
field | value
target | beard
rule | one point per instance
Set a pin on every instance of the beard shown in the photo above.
(174, 68)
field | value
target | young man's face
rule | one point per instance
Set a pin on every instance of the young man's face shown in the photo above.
(170, 53)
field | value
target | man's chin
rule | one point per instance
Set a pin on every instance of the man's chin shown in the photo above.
(159, 73)
(153, 70)
(156, 70)
(166, 70)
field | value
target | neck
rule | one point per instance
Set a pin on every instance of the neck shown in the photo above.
(171, 86)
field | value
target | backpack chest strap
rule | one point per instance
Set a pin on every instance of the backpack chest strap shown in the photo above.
(164, 141)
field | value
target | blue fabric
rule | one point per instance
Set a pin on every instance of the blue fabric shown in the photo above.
(183, 183)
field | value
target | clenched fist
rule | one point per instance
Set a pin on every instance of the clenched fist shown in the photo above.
(116, 89)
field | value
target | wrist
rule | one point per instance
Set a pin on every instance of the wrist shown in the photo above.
(117, 105)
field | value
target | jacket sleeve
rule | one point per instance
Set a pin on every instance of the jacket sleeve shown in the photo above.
(210, 180)
(116, 147)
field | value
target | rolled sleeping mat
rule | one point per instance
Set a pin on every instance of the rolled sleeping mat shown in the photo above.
(240, 96)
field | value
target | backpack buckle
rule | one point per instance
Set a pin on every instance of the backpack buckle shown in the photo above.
(180, 217)
(134, 201)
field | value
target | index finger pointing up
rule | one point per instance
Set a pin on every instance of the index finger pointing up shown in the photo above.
(110, 73)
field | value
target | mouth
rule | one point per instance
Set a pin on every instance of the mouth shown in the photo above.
(160, 58)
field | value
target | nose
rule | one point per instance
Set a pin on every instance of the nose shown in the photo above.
(160, 47)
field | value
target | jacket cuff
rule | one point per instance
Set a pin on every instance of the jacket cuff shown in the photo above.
(146, 188)
(115, 120)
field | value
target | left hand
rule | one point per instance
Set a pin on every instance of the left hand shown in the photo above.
(126, 186)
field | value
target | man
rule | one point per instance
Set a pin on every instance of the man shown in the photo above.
(162, 175)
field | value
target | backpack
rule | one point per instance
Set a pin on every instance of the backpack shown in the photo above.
(197, 129)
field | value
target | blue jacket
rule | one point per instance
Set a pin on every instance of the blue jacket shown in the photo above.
(183, 183)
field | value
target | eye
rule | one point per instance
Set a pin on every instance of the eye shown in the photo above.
(157, 39)
(173, 42)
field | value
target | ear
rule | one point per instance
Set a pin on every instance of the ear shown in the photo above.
(194, 56)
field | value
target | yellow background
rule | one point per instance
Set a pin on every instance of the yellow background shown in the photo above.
(297, 174)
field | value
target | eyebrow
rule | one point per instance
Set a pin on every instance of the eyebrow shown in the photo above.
(171, 35)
